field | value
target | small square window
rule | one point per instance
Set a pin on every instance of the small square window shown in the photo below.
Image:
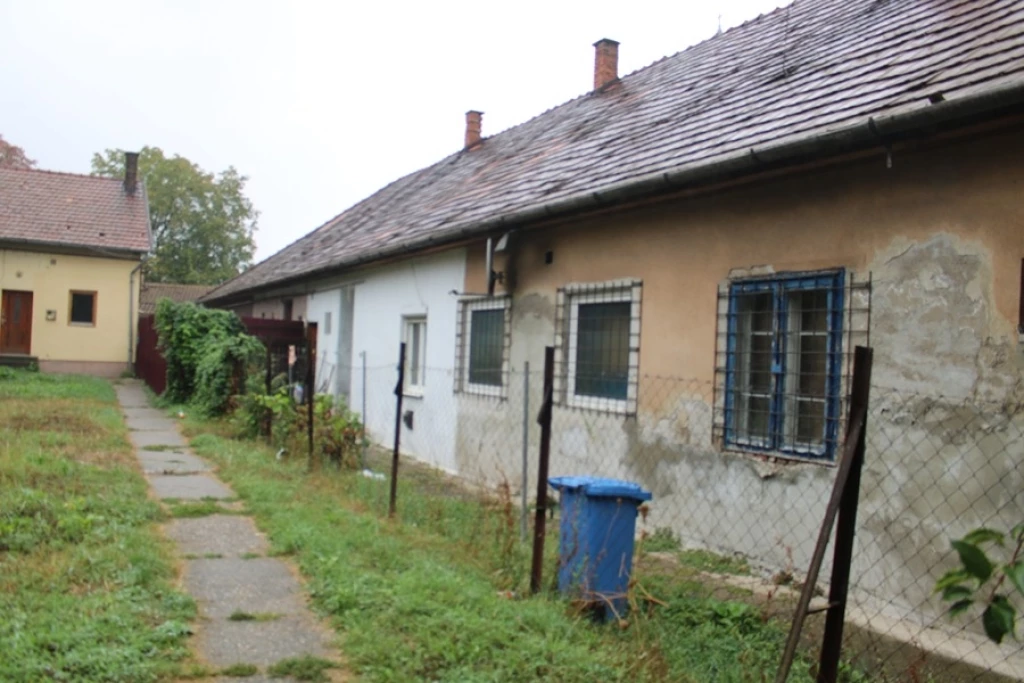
(484, 345)
(414, 334)
(82, 308)
(599, 345)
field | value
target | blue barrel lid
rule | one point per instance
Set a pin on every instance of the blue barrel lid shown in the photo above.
(599, 487)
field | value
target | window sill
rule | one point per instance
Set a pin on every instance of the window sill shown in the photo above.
(786, 458)
(412, 393)
(81, 324)
(483, 390)
(612, 406)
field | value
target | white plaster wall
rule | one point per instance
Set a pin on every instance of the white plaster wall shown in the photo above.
(420, 286)
(318, 304)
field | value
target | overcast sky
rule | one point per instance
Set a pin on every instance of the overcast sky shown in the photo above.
(319, 103)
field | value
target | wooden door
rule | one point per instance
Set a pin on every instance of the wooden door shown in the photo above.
(16, 322)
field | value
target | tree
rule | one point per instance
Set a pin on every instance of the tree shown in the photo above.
(202, 223)
(12, 156)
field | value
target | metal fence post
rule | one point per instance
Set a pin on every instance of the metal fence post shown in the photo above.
(399, 391)
(310, 392)
(523, 512)
(846, 527)
(269, 418)
(362, 462)
(544, 418)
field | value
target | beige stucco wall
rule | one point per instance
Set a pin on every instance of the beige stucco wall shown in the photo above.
(50, 278)
(941, 236)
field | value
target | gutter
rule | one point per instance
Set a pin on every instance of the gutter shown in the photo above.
(880, 132)
(132, 322)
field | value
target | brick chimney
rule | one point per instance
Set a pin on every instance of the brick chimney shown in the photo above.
(131, 172)
(606, 63)
(473, 121)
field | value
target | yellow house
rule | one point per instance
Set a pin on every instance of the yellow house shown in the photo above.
(71, 249)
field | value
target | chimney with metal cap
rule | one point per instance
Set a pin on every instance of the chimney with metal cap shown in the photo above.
(606, 63)
(473, 124)
(131, 172)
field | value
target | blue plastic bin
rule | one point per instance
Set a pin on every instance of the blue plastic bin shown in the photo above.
(596, 531)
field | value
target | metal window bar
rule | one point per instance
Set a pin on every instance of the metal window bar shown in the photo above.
(597, 346)
(783, 361)
(482, 346)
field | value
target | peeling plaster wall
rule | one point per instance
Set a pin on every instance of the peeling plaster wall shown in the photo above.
(941, 235)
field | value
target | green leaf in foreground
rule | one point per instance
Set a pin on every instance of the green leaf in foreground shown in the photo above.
(959, 607)
(974, 559)
(979, 536)
(1015, 573)
(998, 619)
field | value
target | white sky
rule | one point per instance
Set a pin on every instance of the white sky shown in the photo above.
(319, 103)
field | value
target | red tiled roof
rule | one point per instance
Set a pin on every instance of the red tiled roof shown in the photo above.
(68, 210)
(152, 292)
(812, 69)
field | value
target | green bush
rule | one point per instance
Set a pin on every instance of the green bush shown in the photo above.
(188, 334)
(220, 373)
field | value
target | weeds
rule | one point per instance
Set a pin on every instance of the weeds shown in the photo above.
(201, 508)
(239, 670)
(253, 616)
(305, 668)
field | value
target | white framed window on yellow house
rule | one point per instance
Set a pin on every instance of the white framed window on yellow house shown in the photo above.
(483, 346)
(414, 334)
(82, 308)
(597, 345)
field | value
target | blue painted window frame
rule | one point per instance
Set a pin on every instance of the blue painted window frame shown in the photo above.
(780, 286)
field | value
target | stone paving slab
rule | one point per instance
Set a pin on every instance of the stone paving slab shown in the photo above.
(157, 462)
(144, 413)
(227, 535)
(147, 423)
(222, 643)
(132, 395)
(228, 585)
(169, 436)
(188, 486)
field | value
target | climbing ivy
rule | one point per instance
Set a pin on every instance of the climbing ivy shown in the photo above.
(206, 350)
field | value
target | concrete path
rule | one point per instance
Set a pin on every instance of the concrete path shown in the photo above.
(226, 568)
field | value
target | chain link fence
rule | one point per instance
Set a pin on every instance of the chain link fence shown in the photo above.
(746, 522)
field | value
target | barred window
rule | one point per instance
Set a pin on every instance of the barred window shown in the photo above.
(784, 364)
(598, 345)
(483, 346)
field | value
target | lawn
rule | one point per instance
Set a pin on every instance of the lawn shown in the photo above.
(438, 594)
(85, 579)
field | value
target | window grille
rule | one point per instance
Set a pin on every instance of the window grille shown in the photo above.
(482, 346)
(784, 348)
(597, 345)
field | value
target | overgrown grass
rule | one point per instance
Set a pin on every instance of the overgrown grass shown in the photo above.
(305, 668)
(436, 594)
(85, 580)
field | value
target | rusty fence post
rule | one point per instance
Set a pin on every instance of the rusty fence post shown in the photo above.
(842, 505)
(269, 416)
(310, 394)
(544, 419)
(399, 392)
(846, 526)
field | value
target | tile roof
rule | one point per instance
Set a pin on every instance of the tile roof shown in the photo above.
(68, 210)
(813, 68)
(154, 291)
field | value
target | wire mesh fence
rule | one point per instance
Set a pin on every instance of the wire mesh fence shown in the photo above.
(747, 520)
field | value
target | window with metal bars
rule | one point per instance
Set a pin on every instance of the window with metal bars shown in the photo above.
(483, 346)
(784, 364)
(598, 345)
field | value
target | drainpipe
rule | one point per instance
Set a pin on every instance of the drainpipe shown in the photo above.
(132, 331)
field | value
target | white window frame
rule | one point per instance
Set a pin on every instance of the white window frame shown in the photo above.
(503, 303)
(408, 322)
(604, 293)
